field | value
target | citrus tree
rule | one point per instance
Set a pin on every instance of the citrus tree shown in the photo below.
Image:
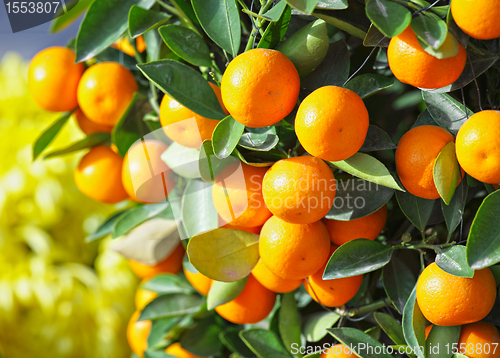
(266, 131)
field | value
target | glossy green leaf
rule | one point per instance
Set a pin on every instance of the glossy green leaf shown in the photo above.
(391, 327)
(416, 209)
(259, 139)
(221, 22)
(375, 38)
(106, 228)
(414, 324)
(454, 261)
(351, 337)
(352, 20)
(141, 20)
(182, 160)
(226, 136)
(446, 111)
(231, 339)
(316, 325)
(134, 217)
(430, 29)
(453, 213)
(275, 31)
(423, 119)
(223, 292)
(167, 283)
(368, 168)
(357, 257)
(332, 4)
(264, 343)
(367, 84)
(153, 45)
(203, 339)
(377, 139)
(63, 21)
(90, 141)
(446, 172)
(274, 13)
(224, 254)
(171, 305)
(209, 165)
(448, 49)
(198, 211)
(186, 44)
(306, 6)
(398, 283)
(159, 328)
(114, 55)
(389, 17)
(483, 245)
(439, 338)
(49, 134)
(149, 353)
(289, 322)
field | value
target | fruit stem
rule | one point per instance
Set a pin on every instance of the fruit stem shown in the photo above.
(364, 309)
(421, 245)
(257, 28)
(176, 10)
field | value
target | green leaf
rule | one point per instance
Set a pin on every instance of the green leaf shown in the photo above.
(49, 134)
(226, 136)
(430, 29)
(454, 261)
(259, 139)
(155, 354)
(352, 20)
(274, 13)
(289, 321)
(367, 84)
(153, 45)
(159, 329)
(423, 119)
(398, 283)
(105, 22)
(368, 168)
(356, 198)
(264, 343)
(390, 18)
(167, 283)
(198, 211)
(391, 327)
(90, 141)
(106, 228)
(134, 217)
(223, 292)
(483, 245)
(448, 49)
(224, 254)
(185, 85)
(171, 305)
(221, 22)
(131, 128)
(446, 172)
(63, 21)
(114, 55)
(186, 44)
(357, 257)
(275, 31)
(203, 339)
(333, 71)
(141, 20)
(414, 325)
(446, 111)
(316, 325)
(453, 213)
(209, 165)
(375, 38)
(332, 4)
(416, 209)
(439, 338)
(377, 139)
(307, 47)
(231, 339)
(306, 6)
(182, 160)
(351, 337)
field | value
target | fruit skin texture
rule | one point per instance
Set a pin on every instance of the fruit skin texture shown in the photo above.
(177, 351)
(332, 123)
(137, 334)
(142, 185)
(416, 154)
(478, 146)
(272, 282)
(293, 251)
(252, 305)
(99, 175)
(199, 281)
(412, 65)
(105, 91)
(171, 264)
(179, 124)
(89, 127)
(368, 227)
(244, 205)
(53, 78)
(475, 338)
(332, 293)
(447, 300)
(143, 297)
(260, 87)
(338, 351)
(299, 190)
(478, 18)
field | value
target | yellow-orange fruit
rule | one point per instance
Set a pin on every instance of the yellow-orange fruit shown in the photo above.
(272, 282)
(171, 264)
(479, 340)
(199, 281)
(89, 127)
(137, 334)
(477, 18)
(177, 351)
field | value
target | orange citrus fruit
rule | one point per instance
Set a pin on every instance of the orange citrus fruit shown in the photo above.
(105, 92)
(368, 227)
(293, 251)
(416, 154)
(170, 264)
(99, 175)
(260, 87)
(478, 18)
(177, 351)
(448, 300)
(272, 282)
(478, 147)
(137, 334)
(143, 297)
(252, 305)
(299, 190)
(338, 351)
(53, 78)
(145, 176)
(412, 65)
(332, 123)
(479, 340)
(428, 330)
(199, 281)
(332, 293)
(126, 47)
(89, 127)
(184, 126)
(237, 195)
